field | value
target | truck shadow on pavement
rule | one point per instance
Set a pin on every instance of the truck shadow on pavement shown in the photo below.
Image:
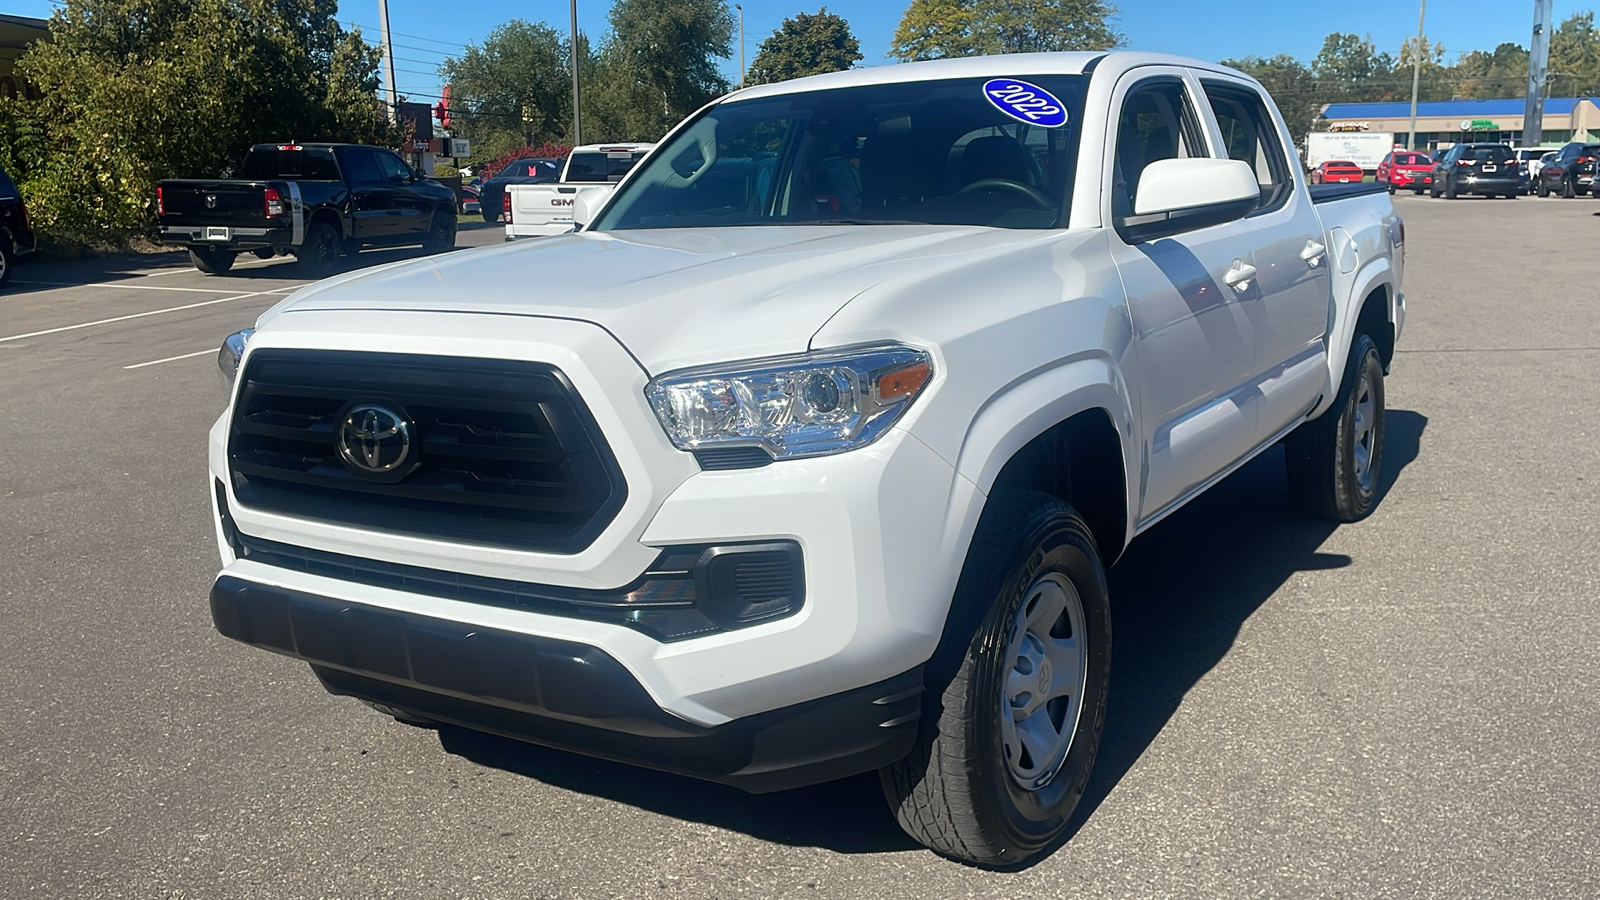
(1179, 597)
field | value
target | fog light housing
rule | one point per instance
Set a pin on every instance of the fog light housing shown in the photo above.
(740, 585)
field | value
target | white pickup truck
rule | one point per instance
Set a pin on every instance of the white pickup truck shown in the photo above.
(805, 457)
(539, 210)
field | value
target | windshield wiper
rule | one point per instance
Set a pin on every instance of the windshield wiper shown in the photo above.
(864, 222)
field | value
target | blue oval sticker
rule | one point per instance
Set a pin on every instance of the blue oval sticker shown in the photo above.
(1025, 102)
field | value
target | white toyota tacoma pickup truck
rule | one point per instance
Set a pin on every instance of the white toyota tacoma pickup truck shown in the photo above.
(806, 455)
(539, 210)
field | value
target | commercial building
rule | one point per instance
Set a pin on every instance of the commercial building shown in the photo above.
(1443, 123)
(16, 34)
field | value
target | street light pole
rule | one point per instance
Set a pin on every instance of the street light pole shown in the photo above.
(740, 8)
(388, 61)
(577, 118)
(1416, 75)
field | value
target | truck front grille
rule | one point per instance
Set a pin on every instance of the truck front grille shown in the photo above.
(493, 452)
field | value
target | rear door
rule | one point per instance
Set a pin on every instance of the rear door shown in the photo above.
(413, 209)
(1289, 308)
(1194, 336)
(371, 196)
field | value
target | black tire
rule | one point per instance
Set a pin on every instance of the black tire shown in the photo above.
(1567, 190)
(1450, 189)
(1325, 477)
(1541, 189)
(211, 260)
(264, 253)
(1391, 189)
(7, 260)
(319, 250)
(441, 232)
(1433, 191)
(957, 791)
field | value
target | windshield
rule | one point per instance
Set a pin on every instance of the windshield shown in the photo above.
(940, 152)
(1411, 159)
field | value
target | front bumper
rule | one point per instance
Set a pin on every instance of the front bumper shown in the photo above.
(873, 526)
(564, 694)
(1402, 179)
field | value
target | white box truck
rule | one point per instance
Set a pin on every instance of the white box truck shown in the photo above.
(1364, 148)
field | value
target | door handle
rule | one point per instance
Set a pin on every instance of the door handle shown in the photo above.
(1240, 276)
(1313, 254)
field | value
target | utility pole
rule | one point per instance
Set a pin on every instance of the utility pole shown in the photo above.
(740, 8)
(388, 60)
(1538, 72)
(577, 117)
(1416, 75)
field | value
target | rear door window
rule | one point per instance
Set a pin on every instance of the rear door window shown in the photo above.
(1250, 134)
(361, 167)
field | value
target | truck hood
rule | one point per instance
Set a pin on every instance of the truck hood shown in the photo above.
(674, 298)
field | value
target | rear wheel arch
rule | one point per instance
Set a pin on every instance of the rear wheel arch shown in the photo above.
(332, 217)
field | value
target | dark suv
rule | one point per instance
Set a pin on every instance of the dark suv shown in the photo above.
(1488, 169)
(1571, 173)
(16, 235)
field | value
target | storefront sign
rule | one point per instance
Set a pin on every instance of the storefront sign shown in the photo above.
(1479, 125)
(1349, 126)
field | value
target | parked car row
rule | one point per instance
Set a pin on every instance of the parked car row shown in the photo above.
(1492, 170)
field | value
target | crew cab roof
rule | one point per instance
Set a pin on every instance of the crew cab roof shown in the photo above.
(615, 146)
(1005, 65)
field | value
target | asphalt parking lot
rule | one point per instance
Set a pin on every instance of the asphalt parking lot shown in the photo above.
(1406, 707)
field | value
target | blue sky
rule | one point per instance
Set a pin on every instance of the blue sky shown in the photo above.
(426, 30)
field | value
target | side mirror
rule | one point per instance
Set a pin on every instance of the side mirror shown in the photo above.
(1178, 195)
(587, 205)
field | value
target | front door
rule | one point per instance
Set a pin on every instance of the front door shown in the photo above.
(1195, 340)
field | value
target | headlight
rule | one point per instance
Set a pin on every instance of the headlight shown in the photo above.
(228, 357)
(808, 405)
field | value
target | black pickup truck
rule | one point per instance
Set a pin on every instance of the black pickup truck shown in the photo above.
(16, 235)
(315, 201)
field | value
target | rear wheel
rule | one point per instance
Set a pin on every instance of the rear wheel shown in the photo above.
(1541, 189)
(1450, 189)
(1016, 690)
(1336, 459)
(1567, 189)
(442, 234)
(319, 252)
(6, 261)
(212, 261)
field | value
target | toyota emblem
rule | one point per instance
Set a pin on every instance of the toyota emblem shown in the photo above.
(374, 439)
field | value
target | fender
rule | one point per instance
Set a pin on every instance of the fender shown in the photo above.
(1378, 273)
(1021, 412)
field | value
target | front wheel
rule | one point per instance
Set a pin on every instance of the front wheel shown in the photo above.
(1391, 189)
(212, 261)
(1335, 460)
(1016, 695)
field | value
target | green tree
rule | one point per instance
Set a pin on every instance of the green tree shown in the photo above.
(1575, 57)
(805, 45)
(658, 64)
(1292, 87)
(1480, 75)
(514, 89)
(1350, 67)
(939, 29)
(134, 91)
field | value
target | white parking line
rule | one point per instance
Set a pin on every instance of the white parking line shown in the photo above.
(157, 362)
(131, 287)
(153, 312)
